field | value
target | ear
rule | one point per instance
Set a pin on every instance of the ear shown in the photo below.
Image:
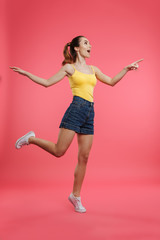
(76, 49)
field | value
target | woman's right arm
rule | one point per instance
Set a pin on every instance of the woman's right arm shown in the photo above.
(45, 82)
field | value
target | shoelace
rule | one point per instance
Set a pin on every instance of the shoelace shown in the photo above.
(23, 142)
(78, 203)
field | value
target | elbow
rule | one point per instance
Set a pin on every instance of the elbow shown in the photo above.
(46, 85)
(112, 83)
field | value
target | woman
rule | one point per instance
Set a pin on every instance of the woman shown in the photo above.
(79, 117)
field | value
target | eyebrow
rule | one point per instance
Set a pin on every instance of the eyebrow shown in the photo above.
(86, 40)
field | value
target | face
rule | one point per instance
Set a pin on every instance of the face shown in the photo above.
(84, 48)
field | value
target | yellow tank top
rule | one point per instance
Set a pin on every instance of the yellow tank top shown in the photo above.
(82, 84)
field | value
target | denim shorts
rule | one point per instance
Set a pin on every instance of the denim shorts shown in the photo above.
(79, 116)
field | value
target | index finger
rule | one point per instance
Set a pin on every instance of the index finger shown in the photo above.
(12, 67)
(139, 60)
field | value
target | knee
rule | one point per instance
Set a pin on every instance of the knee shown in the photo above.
(83, 157)
(59, 154)
(58, 151)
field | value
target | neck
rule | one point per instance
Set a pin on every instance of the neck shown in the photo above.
(80, 61)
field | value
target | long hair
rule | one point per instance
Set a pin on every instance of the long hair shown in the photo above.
(70, 56)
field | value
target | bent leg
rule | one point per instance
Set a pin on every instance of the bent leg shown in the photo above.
(84, 144)
(64, 140)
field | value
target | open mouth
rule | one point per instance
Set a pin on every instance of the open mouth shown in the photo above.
(88, 51)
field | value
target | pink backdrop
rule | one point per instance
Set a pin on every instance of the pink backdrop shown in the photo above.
(126, 142)
(121, 188)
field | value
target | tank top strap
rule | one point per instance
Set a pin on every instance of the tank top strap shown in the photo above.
(73, 66)
(93, 69)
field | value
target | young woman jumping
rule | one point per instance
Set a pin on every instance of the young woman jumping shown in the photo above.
(79, 117)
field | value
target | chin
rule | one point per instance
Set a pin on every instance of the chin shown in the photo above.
(86, 56)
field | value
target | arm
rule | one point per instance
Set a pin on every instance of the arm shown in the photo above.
(102, 77)
(41, 81)
(108, 80)
(112, 81)
(119, 76)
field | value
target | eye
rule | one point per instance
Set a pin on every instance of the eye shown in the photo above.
(85, 42)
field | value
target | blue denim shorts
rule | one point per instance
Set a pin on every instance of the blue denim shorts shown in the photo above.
(79, 116)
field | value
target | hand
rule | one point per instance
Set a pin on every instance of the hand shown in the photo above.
(133, 66)
(20, 71)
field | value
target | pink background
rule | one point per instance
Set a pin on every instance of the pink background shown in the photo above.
(126, 138)
(127, 131)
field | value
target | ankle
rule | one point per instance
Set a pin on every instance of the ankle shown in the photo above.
(30, 140)
(75, 194)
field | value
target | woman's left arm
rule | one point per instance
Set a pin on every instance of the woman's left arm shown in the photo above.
(112, 81)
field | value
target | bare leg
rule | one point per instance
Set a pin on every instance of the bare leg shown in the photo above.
(64, 140)
(84, 144)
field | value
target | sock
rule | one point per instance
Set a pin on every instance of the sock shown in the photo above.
(76, 197)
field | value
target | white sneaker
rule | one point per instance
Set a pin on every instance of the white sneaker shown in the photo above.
(76, 201)
(24, 140)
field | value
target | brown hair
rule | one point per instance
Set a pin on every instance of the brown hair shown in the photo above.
(70, 56)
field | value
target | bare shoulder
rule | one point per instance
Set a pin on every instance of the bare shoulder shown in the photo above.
(68, 68)
(101, 76)
(96, 69)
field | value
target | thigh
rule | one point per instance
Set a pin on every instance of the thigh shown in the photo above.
(65, 138)
(84, 143)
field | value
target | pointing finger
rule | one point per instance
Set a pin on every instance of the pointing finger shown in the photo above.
(12, 67)
(139, 60)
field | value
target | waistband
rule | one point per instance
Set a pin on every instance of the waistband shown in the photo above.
(82, 100)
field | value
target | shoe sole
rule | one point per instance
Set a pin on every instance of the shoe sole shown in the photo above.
(16, 144)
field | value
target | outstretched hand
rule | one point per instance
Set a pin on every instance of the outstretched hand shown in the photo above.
(20, 71)
(134, 65)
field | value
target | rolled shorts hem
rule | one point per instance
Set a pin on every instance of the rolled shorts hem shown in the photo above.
(75, 128)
